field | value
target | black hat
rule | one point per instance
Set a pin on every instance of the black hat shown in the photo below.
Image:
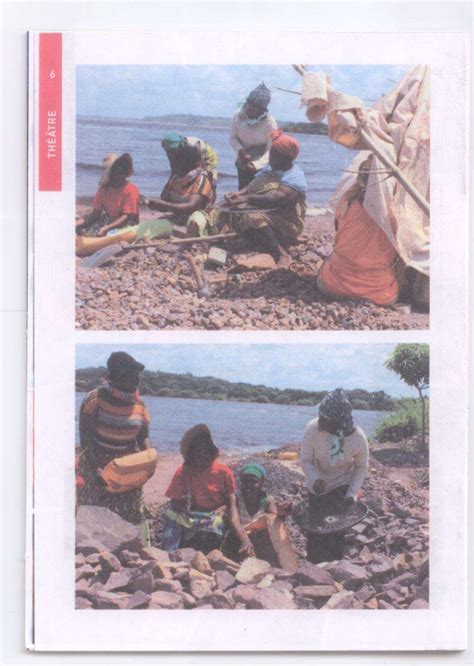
(122, 363)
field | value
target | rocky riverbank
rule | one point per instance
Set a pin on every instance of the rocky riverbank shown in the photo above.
(385, 565)
(155, 289)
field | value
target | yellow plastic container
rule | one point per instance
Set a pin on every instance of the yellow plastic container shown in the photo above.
(288, 455)
(130, 472)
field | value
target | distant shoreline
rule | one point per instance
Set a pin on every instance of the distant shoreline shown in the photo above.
(295, 127)
(187, 386)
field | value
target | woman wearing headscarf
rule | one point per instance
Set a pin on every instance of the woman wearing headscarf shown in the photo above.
(250, 134)
(364, 264)
(203, 500)
(279, 187)
(174, 141)
(116, 202)
(334, 458)
(188, 194)
(113, 422)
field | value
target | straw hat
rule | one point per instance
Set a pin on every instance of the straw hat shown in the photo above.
(107, 163)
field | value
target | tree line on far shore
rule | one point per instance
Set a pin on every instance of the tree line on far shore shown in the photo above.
(170, 385)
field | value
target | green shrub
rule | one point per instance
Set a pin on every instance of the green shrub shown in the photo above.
(402, 424)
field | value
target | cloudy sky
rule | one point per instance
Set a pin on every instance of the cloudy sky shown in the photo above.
(309, 367)
(146, 90)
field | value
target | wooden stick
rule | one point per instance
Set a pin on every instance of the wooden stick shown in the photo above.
(182, 241)
(412, 191)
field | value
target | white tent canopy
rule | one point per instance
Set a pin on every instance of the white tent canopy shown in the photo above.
(397, 127)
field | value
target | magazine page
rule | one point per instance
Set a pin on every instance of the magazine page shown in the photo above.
(247, 341)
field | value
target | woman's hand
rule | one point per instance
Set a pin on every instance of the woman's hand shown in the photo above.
(319, 486)
(246, 549)
(284, 508)
(157, 204)
(239, 200)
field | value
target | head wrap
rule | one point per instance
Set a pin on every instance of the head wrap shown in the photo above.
(107, 165)
(335, 407)
(260, 96)
(173, 141)
(255, 469)
(197, 433)
(285, 144)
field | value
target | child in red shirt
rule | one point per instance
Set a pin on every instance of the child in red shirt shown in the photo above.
(116, 203)
(203, 500)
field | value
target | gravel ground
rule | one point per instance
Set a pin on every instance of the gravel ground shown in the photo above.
(153, 289)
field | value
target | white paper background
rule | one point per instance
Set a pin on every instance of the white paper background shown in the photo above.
(57, 625)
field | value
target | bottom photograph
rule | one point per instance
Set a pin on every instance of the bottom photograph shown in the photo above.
(252, 476)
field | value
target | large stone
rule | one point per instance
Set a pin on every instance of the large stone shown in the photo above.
(80, 560)
(85, 571)
(105, 600)
(152, 553)
(350, 575)
(200, 588)
(315, 591)
(221, 600)
(167, 585)
(201, 563)
(244, 594)
(253, 262)
(269, 598)
(85, 546)
(182, 555)
(109, 562)
(224, 580)
(143, 581)
(129, 559)
(82, 603)
(218, 562)
(166, 600)
(96, 523)
(365, 592)
(340, 600)
(311, 574)
(252, 570)
(138, 599)
(381, 565)
(188, 600)
(419, 604)
(93, 559)
(119, 580)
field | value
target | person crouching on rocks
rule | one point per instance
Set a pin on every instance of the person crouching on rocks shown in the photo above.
(334, 458)
(253, 502)
(116, 203)
(276, 202)
(203, 498)
(188, 194)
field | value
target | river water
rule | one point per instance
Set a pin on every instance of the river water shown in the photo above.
(321, 160)
(236, 426)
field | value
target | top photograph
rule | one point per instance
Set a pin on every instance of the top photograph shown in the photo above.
(252, 197)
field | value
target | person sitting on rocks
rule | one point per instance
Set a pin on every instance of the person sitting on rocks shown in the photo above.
(188, 194)
(278, 192)
(334, 458)
(116, 203)
(113, 422)
(174, 141)
(253, 502)
(364, 264)
(203, 498)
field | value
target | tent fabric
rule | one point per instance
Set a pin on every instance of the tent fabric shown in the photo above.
(399, 124)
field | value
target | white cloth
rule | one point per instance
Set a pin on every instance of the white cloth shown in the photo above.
(399, 124)
(243, 135)
(350, 469)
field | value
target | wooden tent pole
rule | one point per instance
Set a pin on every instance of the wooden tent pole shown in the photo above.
(412, 191)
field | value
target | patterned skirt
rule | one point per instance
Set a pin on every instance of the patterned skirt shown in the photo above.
(129, 505)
